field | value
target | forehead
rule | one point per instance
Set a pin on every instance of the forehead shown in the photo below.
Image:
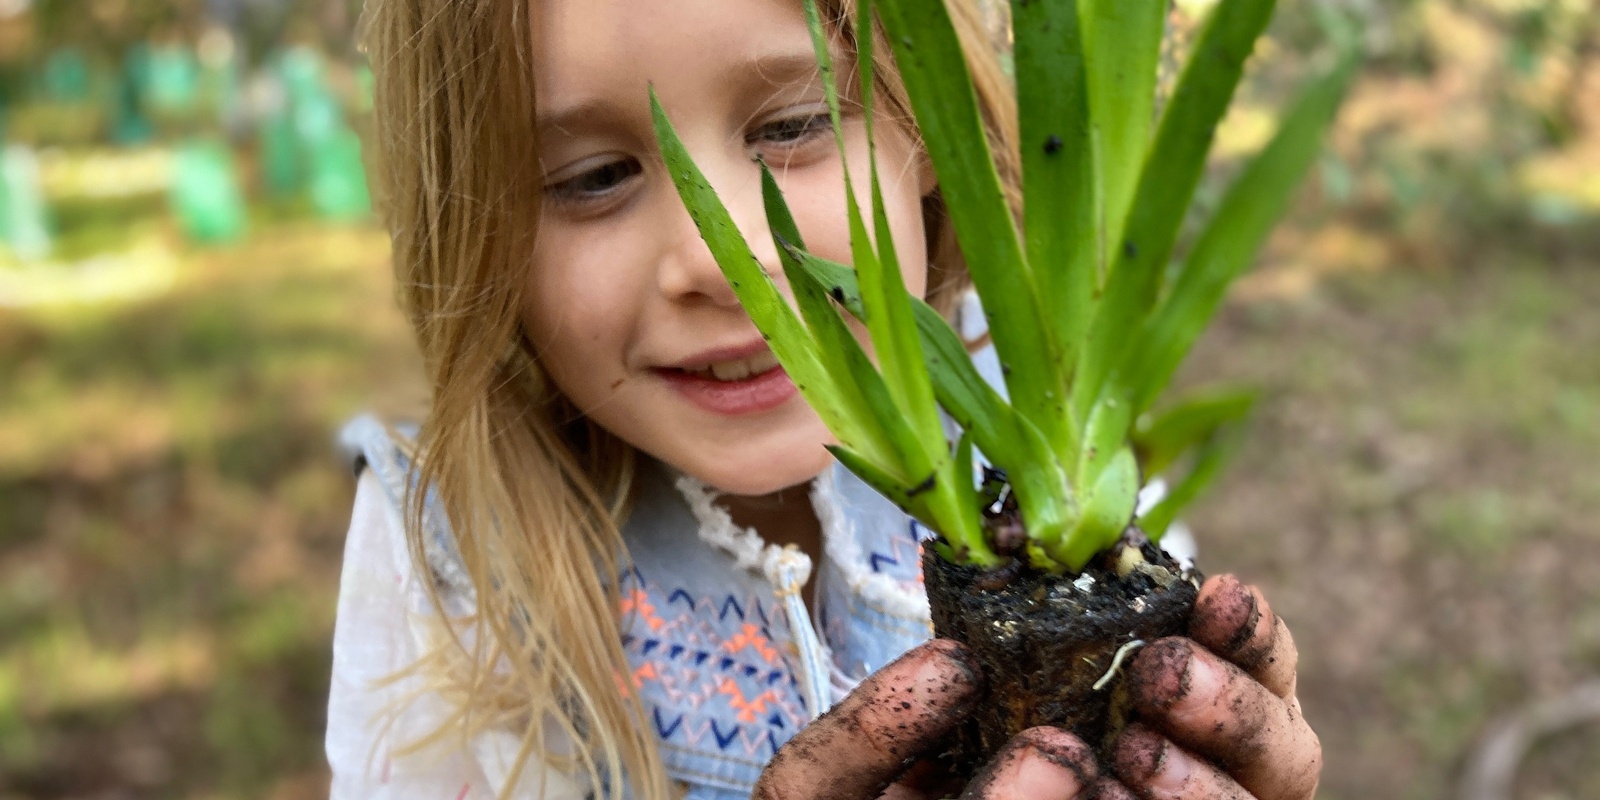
(587, 46)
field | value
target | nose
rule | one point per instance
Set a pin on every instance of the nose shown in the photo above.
(687, 271)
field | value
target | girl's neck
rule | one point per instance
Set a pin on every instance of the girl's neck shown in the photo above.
(783, 518)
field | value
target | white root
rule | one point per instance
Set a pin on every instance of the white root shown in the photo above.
(1116, 662)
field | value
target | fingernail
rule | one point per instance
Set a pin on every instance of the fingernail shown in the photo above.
(1172, 772)
(1038, 776)
(1160, 675)
(1146, 761)
(1203, 681)
(951, 660)
(1225, 616)
(1138, 755)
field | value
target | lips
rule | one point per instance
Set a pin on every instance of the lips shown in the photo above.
(731, 381)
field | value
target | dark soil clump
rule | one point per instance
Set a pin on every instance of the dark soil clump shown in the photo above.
(1044, 640)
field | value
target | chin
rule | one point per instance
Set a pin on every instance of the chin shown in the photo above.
(765, 466)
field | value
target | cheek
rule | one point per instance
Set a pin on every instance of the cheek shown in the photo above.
(577, 326)
(817, 202)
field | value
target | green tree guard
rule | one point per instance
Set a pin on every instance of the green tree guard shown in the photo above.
(278, 154)
(66, 76)
(174, 80)
(129, 125)
(301, 71)
(317, 118)
(338, 179)
(205, 193)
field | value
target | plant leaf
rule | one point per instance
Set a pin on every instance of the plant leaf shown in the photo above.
(1007, 438)
(1057, 167)
(955, 497)
(1122, 50)
(1106, 513)
(1103, 436)
(928, 52)
(888, 318)
(1167, 184)
(869, 472)
(1229, 243)
(1210, 457)
(896, 449)
(1159, 441)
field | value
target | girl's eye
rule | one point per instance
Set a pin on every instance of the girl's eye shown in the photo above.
(594, 185)
(791, 132)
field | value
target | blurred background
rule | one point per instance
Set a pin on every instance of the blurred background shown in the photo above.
(194, 293)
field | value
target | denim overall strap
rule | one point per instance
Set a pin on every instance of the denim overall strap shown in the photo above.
(387, 451)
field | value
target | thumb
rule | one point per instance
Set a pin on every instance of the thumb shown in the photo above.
(855, 750)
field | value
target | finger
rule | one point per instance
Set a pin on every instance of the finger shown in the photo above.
(1234, 621)
(930, 777)
(855, 750)
(900, 791)
(1041, 763)
(1213, 708)
(1156, 769)
(1108, 788)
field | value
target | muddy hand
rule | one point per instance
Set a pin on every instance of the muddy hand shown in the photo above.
(1044, 763)
(1221, 720)
(854, 751)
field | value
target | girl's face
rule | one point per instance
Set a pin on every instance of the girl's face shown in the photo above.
(629, 313)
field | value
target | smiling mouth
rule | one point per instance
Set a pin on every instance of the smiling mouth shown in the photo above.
(734, 370)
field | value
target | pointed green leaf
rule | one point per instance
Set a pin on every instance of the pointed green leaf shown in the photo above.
(830, 83)
(1210, 458)
(1160, 440)
(929, 55)
(1166, 186)
(889, 321)
(886, 437)
(900, 352)
(873, 475)
(1007, 438)
(963, 465)
(1057, 166)
(954, 498)
(1228, 244)
(969, 399)
(1103, 437)
(1122, 51)
(958, 526)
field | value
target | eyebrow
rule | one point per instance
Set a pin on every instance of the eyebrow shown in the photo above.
(782, 69)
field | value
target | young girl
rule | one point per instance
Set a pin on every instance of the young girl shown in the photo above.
(615, 558)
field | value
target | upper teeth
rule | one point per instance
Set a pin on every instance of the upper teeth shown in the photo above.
(738, 370)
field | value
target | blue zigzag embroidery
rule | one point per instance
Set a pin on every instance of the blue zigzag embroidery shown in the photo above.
(723, 739)
(662, 729)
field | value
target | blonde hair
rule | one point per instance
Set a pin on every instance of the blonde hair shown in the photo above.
(533, 492)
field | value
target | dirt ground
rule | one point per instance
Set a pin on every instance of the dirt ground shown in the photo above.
(1420, 500)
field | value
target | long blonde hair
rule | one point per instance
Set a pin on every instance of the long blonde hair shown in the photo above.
(533, 492)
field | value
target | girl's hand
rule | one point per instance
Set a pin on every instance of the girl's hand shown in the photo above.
(1220, 722)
